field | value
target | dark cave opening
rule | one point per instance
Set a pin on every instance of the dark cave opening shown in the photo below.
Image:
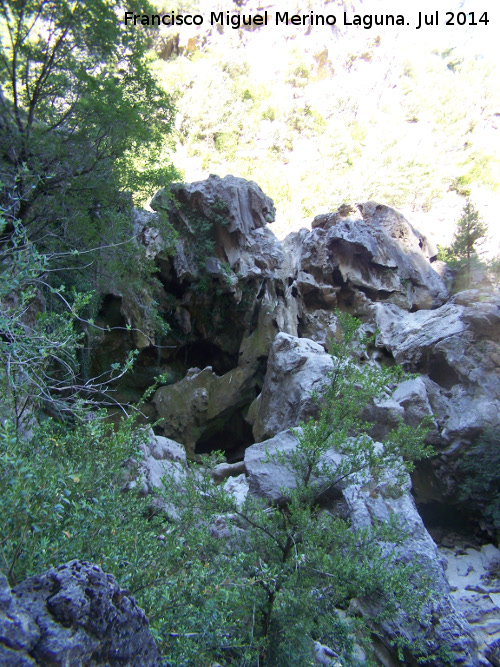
(375, 295)
(203, 353)
(110, 311)
(316, 299)
(441, 372)
(232, 437)
(442, 519)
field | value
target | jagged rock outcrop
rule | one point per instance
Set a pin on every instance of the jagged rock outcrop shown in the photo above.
(296, 368)
(194, 408)
(295, 363)
(456, 349)
(267, 479)
(368, 506)
(251, 318)
(70, 616)
(367, 248)
(237, 211)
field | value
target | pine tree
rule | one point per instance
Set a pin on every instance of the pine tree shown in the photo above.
(470, 229)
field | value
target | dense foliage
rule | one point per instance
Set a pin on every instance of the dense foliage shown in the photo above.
(289, 568)
(282, 576)
(318, 121)
(82, 124)
(81, 113)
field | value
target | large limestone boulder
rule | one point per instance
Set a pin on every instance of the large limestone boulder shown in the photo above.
(456, 349)
(238, 212)
(367, 248)
(456, 345)
(267, 479)
(73, 615)
(159, 457)
(296, 368)
(248, 208)
(271, 479)
(199, 404)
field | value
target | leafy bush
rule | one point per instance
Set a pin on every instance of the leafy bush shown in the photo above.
(289, 569)
(62, 499)
(283, 574)
(42, 329)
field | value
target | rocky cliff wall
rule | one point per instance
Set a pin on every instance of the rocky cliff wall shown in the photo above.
(251, 320)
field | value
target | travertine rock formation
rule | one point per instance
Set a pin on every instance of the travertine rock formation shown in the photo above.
(70, 616)
(252, 319)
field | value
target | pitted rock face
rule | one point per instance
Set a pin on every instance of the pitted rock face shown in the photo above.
(455, 350)
(262, 320)
(237, 211)
(248, 208)
(191, 407)
(375, 250)
(70, 616)
(296, 367)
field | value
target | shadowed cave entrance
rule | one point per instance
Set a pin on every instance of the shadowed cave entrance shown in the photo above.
(444, 520)
(200, 354)
(232, 436)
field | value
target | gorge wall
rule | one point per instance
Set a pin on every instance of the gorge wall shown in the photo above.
(251, 318)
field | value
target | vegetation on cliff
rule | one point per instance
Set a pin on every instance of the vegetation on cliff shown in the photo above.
(83, 125)
(283, 581)
(462, 255)
(319, 119)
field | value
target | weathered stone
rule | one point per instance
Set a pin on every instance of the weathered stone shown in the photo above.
(248, 208)
(449, 335)
(243, 242)
(319, 325)
(375, 250)
(161, 457)
(238, 488)
(468, 571)
(451, 345)
(296, 368)
(262, 294)
(70, 616)
(370, 504)
(493, 653)
(268, 479)
(201, 402)
(369, 507)
(274, 315)
(225, 470)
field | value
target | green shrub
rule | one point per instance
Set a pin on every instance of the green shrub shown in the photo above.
(61, 499)
(462, 253)
(269, 114)
(288, 570)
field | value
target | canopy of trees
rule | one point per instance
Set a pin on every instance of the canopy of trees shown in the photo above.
(81, 118)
